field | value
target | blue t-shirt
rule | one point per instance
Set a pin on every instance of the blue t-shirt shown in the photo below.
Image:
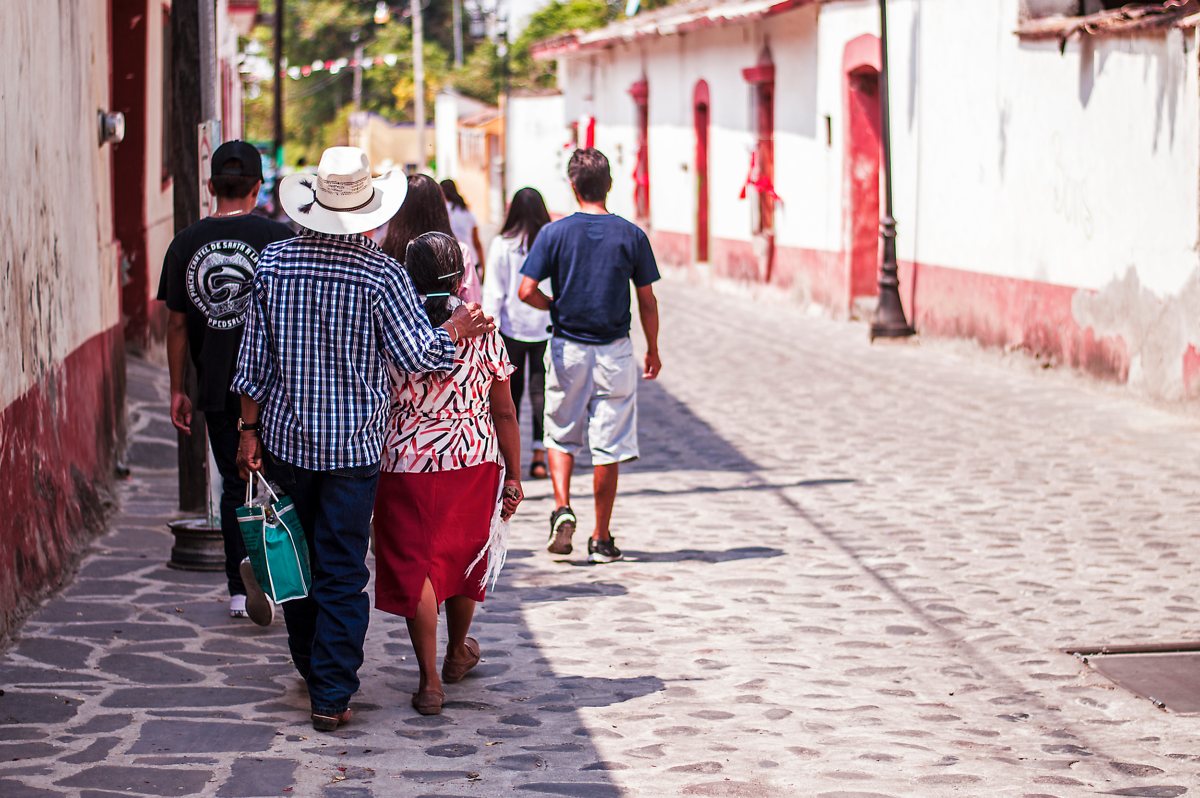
(590, 260)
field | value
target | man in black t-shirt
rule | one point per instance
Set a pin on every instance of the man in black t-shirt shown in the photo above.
(206, 284)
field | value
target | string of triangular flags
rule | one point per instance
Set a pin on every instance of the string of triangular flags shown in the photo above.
(336, 65)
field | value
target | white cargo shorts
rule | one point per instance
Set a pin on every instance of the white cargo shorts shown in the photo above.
(591, 399)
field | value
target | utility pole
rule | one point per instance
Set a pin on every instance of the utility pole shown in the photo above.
(418, 43)
(458, 43)
(888, 320)
(278, 83)
(208, 61)
(186, 114)
(358, 70)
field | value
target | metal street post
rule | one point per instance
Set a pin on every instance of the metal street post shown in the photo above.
(418, 43)
(888, 320)
(278, 82)
(356, 92)
(505, 97)
(456, 9)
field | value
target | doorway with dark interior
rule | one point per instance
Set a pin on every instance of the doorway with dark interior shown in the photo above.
(701, 117)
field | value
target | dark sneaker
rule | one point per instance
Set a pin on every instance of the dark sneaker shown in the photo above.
(562, 527)
(259, 606)
(600, 551)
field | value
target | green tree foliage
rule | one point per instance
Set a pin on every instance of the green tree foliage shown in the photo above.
(561, 16)
(317, 107)
(556, 19)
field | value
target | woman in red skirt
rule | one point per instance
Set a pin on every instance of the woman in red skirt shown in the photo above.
(440, 514)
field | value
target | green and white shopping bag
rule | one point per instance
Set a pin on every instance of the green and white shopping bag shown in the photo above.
(275, 542)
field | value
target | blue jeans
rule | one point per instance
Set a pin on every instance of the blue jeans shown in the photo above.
(326, 630)
(223, 438)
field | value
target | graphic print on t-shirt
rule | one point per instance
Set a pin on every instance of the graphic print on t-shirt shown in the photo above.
(218, 282)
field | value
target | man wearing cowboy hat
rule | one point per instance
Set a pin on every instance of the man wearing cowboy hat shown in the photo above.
(329, 310)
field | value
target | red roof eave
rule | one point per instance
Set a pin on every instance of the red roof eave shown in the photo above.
(1115, 22)
(581, 41)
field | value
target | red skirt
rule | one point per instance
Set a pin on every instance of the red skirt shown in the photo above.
(432, 525)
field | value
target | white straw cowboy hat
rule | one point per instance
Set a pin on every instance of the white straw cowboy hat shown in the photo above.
(341, 198)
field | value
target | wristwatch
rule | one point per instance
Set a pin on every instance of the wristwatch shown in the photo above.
(247, 427)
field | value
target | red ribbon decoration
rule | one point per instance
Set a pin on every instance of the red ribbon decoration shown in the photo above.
(758, 181)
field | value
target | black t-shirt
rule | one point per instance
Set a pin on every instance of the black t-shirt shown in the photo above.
(207, 274)
(590, 259)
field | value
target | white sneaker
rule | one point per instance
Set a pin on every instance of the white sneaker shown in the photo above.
(259, 608)
(237, 606)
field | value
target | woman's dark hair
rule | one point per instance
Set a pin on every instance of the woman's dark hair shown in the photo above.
(434, 261)
(589, 174)
(423, 211)
(452, 195)
(527, 215)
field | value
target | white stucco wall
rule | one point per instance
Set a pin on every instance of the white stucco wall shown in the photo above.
(445, 135)
(537, 149)
(58, 286)
(227, 52)
(1009, 158)
(1014, 160)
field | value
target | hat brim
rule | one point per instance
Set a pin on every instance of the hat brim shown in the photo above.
(297, 199)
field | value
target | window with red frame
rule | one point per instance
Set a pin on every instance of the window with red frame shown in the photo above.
(761, 176)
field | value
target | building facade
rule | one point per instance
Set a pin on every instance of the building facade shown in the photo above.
(83, 229)
(1046, 162)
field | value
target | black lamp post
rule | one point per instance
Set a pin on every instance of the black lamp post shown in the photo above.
(888, 320)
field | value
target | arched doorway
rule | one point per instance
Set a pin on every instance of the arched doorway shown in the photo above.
(863, 156)
(701, 118)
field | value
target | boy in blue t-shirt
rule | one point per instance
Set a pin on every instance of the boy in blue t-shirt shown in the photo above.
(590, 259)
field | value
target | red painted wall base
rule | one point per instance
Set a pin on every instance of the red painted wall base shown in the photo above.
(815, 275)
(1010, 313)
(996, 311)
(58, 446)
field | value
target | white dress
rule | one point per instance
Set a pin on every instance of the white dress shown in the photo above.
(462, 223)
(501, 299)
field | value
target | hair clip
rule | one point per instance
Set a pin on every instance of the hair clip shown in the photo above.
(450, 276)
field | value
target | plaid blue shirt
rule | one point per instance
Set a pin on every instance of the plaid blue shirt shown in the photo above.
(327, 311)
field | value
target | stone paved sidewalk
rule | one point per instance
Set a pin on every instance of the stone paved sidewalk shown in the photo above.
(851, 572)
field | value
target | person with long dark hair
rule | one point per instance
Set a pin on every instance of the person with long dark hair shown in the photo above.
(424, 211)
(524, 328)
(440, 516)
(462, 221)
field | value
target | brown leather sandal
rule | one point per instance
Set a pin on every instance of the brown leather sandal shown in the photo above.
(453, 670)
(428, 702)
(330, 723)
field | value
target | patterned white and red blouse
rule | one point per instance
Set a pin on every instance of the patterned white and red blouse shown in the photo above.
(442, 420)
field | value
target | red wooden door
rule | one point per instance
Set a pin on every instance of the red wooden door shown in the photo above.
(863, 157)
(701, 119)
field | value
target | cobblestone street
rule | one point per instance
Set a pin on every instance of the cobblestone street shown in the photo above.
(851, 570)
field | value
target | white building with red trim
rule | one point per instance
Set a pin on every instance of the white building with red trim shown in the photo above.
(1046, 162)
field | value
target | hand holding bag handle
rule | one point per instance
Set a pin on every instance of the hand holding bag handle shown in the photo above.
(258, 476)
(275, 542)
